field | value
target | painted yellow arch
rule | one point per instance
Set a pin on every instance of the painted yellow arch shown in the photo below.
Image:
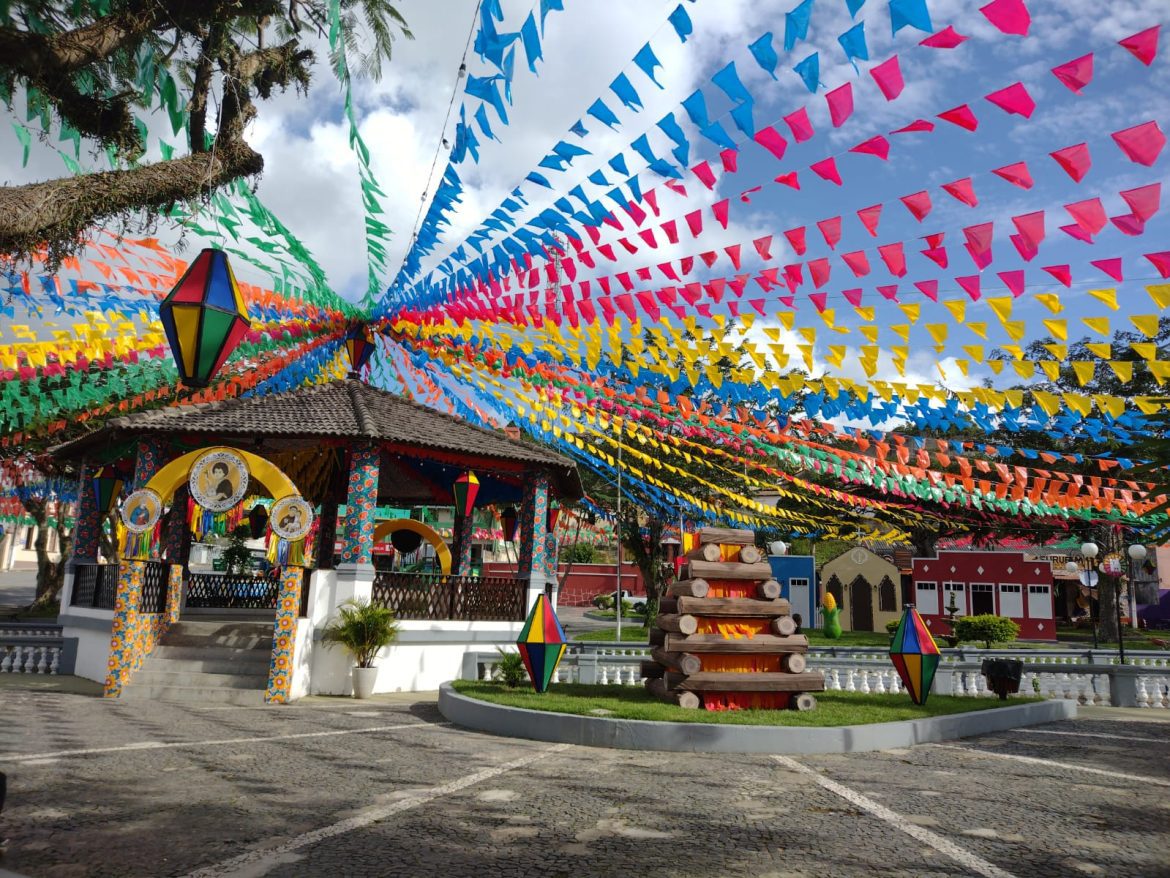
(168, 479)
(385, 528)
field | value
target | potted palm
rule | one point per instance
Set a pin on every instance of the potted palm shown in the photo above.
(361, 629)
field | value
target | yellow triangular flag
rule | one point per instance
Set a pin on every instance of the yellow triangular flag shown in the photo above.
(1058, 328)
(1160, 293)
(1047, 401)
(865, 313)
(912, 311)
(1123, 369)
(902, 330)
(1051, 301)
(1084, 369)
(1099, 325)
(958, 308)
(975, 351)
(1102, 349)
(979, 328)
(1059, 351)
(938, 331)
(1147, 324)
(1144, 349)
(1082, 405)
(1051, 368)
(870, 333)
(809, 333)
(995, 366)
(1109, 297)
(1001, 305)
(1014, 328)
(1024, 368)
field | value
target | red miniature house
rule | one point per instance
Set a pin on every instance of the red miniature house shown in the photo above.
(1004, 583)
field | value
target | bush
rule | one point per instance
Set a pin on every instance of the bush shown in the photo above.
(987, 628)
(579, 553)
(362, 628)
(603, 601)
(509, 670)
(892, 627)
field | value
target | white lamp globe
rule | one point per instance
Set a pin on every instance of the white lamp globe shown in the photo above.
(1090, 550)
(1071, 567)
(1138, 553)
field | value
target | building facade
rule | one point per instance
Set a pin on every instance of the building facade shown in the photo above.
(867, 588)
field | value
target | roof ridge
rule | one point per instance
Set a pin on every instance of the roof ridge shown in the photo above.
(360, 412)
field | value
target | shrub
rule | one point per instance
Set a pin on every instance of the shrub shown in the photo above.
(987, 628)
(362, 628)
(603, 601)
(509, 670)
(579, 553)
(892, 627)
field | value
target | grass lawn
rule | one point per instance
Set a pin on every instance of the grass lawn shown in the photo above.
(634, 702)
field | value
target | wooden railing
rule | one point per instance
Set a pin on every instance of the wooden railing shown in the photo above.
(206, 591)
(448, 597)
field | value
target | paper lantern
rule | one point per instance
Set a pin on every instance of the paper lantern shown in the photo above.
(359, 344)
(915, 655)
(465, 489)
(107, 485)
(405, 541)
(257, 521)
(542, 643)
(510, 520)
(554, 514)
(205, 318)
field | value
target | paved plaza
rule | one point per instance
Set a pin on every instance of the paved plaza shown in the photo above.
(386, 787)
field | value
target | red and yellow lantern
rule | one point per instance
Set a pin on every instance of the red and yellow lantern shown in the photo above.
(465, 490)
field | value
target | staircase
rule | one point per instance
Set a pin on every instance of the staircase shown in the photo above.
(213, 661)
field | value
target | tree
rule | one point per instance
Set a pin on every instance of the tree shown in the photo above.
(90, 63)
(41, 489)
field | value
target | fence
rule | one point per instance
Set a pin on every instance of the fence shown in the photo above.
(30, 648)
(95, 586)
(221, 591)
(448, 597)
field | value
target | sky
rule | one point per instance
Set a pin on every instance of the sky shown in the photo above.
(311, 182)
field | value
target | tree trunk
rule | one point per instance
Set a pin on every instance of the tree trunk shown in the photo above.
(1107, 608)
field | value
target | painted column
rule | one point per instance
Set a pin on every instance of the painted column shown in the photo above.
(464, 533)
(284, 631)
(87, 530)
(175, 537)
(360, 506)
(551, 561)
(533, 527)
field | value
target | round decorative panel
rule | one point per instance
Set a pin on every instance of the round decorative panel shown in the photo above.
(142, 510)
(291, 517)
(219, 480)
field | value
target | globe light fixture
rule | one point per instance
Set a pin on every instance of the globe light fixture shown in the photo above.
(1090, 550)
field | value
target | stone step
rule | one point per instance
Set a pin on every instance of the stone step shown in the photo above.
(147, 676)
(236, 635)
(249, 662)
(260, 652)
(196, 695)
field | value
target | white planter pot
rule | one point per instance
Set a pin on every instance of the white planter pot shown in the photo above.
(363, 682)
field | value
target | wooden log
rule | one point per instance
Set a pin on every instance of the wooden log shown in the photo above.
(728, 536)
(689, 588)
(705, 552)
(725, 606)
(680, 662)
(725, 681)
(678, 623)
(762, 643)
(784, 626)
(709, 570)
(657, 688)
(749, 555)
(652, 669)
(803, 701)
(657, 637)
(767, 591)
(795, 663)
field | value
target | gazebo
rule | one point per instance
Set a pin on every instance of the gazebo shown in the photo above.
(310, 451)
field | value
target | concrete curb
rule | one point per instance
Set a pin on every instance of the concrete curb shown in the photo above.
(628, 734)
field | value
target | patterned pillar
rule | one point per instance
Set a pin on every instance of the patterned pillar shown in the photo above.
(533, 525)
(464, 535)
(175, 528)
(284, 631)
(360, 505)
(87, 530)
(174, 592)
(147, 462)
(326, 535)
(551, 550)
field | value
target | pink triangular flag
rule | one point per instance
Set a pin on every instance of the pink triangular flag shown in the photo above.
(709, 257)
(937, 255)
(947, 38)
(763, 247)
(772, 140)
(840, 101)
(981, 258)
(820, 300)
(1013, 99)
(732, 251)
(1160, 261)
(1014, 281)
(894, 258)
(819, 270)
(1128, 224)
(719, 211)
(1010, 16)
(1075, 74)
(918, 204)
(963, 190)
(670, 228)
(1074, 230)
(796, 239)
(650, 196)
(827, 169)
(1144, 201)
(1141, 143)
(857, 261)
(799, 125)
(706, 176)
(853, 297)
(1017, 174)
(703, 309)
(928, 288)
(1075, 160)
(788, 301)
(1061, 273)
(758, 304)
(789, 179)
(1031, 227)
(794, 276)
(1089, 214)
(876, 145)
(979, 236)
(1111, 267)
(961, 116)
(869, 217)
(676, 187)
(1024, 247)
(1144, 45)
(914, 127)
(888, 76)
(831, 230)
(889, 292)
(694, 222)
(730, 159)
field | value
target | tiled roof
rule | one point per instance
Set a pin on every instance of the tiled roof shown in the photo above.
(347, 408)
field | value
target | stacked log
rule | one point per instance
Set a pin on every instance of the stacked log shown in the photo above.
(724, 637)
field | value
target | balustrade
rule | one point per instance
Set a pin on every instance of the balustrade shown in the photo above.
(449, 597)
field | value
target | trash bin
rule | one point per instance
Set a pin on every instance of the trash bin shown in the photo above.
(1003, 676)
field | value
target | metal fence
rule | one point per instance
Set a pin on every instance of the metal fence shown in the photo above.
(154, 588)
(448, 597)
(221, 591)
(94, 586)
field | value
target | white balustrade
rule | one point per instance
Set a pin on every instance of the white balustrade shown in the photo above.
(25, 658)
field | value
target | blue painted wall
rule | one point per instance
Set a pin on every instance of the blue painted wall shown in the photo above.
(785, 568)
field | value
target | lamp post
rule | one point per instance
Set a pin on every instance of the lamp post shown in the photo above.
(1090, 551)
(1137, 554)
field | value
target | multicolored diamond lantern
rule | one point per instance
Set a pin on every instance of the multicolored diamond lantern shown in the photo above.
(915, 655)
(554, 514)
(510, 521)
(359, 344)
(542, 643)
(465, 489)
(107, 485)
(205, 317)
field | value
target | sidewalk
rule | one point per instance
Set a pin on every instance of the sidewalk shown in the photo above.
(18, 588)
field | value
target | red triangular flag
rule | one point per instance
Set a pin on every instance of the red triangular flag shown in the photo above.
(970, 285)
(1111, 267)
(719, 210)
(918, 204)
(853, 297)
(1017, 174)
(840, 101)
(796, 239)
(877, 146)
(763, 246)
(894, 258)
(1144, 201)
(1014, 281)
(1075, 74)
(888, 76)
(1013, 99)
(819, 270)
(1160, 261)
(1075, 160)
(857, 261)
(1010, 16)
(799, 125)
(1144, 45)
(789, 179)
(1061, 273)
(827, 170)
(914, 127)
(947, 38)
(1141, 143)
(820, 300)
(869, 217)
(961, 116)
(928, 288)
(772, 140)
(1089, 214)
(1073, 230)
(830, 230)
(963, 190)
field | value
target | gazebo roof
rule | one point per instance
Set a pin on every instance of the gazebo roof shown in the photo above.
(343, 409)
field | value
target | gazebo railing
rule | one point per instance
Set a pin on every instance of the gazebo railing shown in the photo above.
(95, 586)
(225, 591)
(450, 597)
(154, 588)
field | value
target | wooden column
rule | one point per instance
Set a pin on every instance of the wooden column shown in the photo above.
(533, 527)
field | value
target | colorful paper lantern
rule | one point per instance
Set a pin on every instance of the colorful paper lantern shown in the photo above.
(510, 521)
(205, 318)
(465, 489)
(107, 485)
(915, 655)
(359, 344)
(554, 514)
(542, 642)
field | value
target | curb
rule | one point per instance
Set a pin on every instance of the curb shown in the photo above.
(632, 734)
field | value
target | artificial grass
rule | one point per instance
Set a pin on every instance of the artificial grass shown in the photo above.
(634, 702)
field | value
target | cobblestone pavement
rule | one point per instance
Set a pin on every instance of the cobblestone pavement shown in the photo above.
(333, 787)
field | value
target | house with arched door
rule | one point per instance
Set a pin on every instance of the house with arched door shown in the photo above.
(867, 588)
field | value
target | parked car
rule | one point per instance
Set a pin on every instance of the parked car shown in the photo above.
(638, 606)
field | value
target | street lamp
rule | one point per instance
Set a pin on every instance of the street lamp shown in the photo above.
(1090, 551)
(1137, 554)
